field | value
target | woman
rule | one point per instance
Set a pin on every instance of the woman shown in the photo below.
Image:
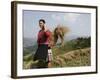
(43, 53)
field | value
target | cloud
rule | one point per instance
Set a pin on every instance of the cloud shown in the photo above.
(67, 17)
(56, 17)
(71, 17)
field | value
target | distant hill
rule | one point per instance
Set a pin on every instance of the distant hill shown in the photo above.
(28, 42)
(73, 37)
(32, 41)
(30, 46)
(30, 49)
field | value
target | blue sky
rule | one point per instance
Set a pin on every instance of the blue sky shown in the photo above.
(78, 23)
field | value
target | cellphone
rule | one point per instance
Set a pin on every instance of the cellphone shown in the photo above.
(43, 28)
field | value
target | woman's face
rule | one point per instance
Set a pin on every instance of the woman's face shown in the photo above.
(41, 24)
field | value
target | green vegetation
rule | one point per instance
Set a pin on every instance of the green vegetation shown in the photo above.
(74, 53)
(79, 43)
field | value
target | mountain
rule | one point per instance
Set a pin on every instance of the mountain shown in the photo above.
(68, 38)
(73, 37)
(29, 42)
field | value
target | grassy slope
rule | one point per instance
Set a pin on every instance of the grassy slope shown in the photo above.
(80, 57)
(73, 53)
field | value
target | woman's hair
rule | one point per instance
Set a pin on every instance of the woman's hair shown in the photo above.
(42, 20)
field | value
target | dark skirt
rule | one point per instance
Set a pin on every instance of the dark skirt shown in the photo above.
(41, 53)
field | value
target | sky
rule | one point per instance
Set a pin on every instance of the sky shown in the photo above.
(78, 23)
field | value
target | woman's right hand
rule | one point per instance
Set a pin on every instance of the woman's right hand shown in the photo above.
(45, 28)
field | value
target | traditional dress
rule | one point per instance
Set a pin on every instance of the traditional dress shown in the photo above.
(44, 51)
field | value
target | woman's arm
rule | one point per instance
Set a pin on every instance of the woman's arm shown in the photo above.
(47, 33)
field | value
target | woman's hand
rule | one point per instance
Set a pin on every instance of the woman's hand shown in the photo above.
(45, 28)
